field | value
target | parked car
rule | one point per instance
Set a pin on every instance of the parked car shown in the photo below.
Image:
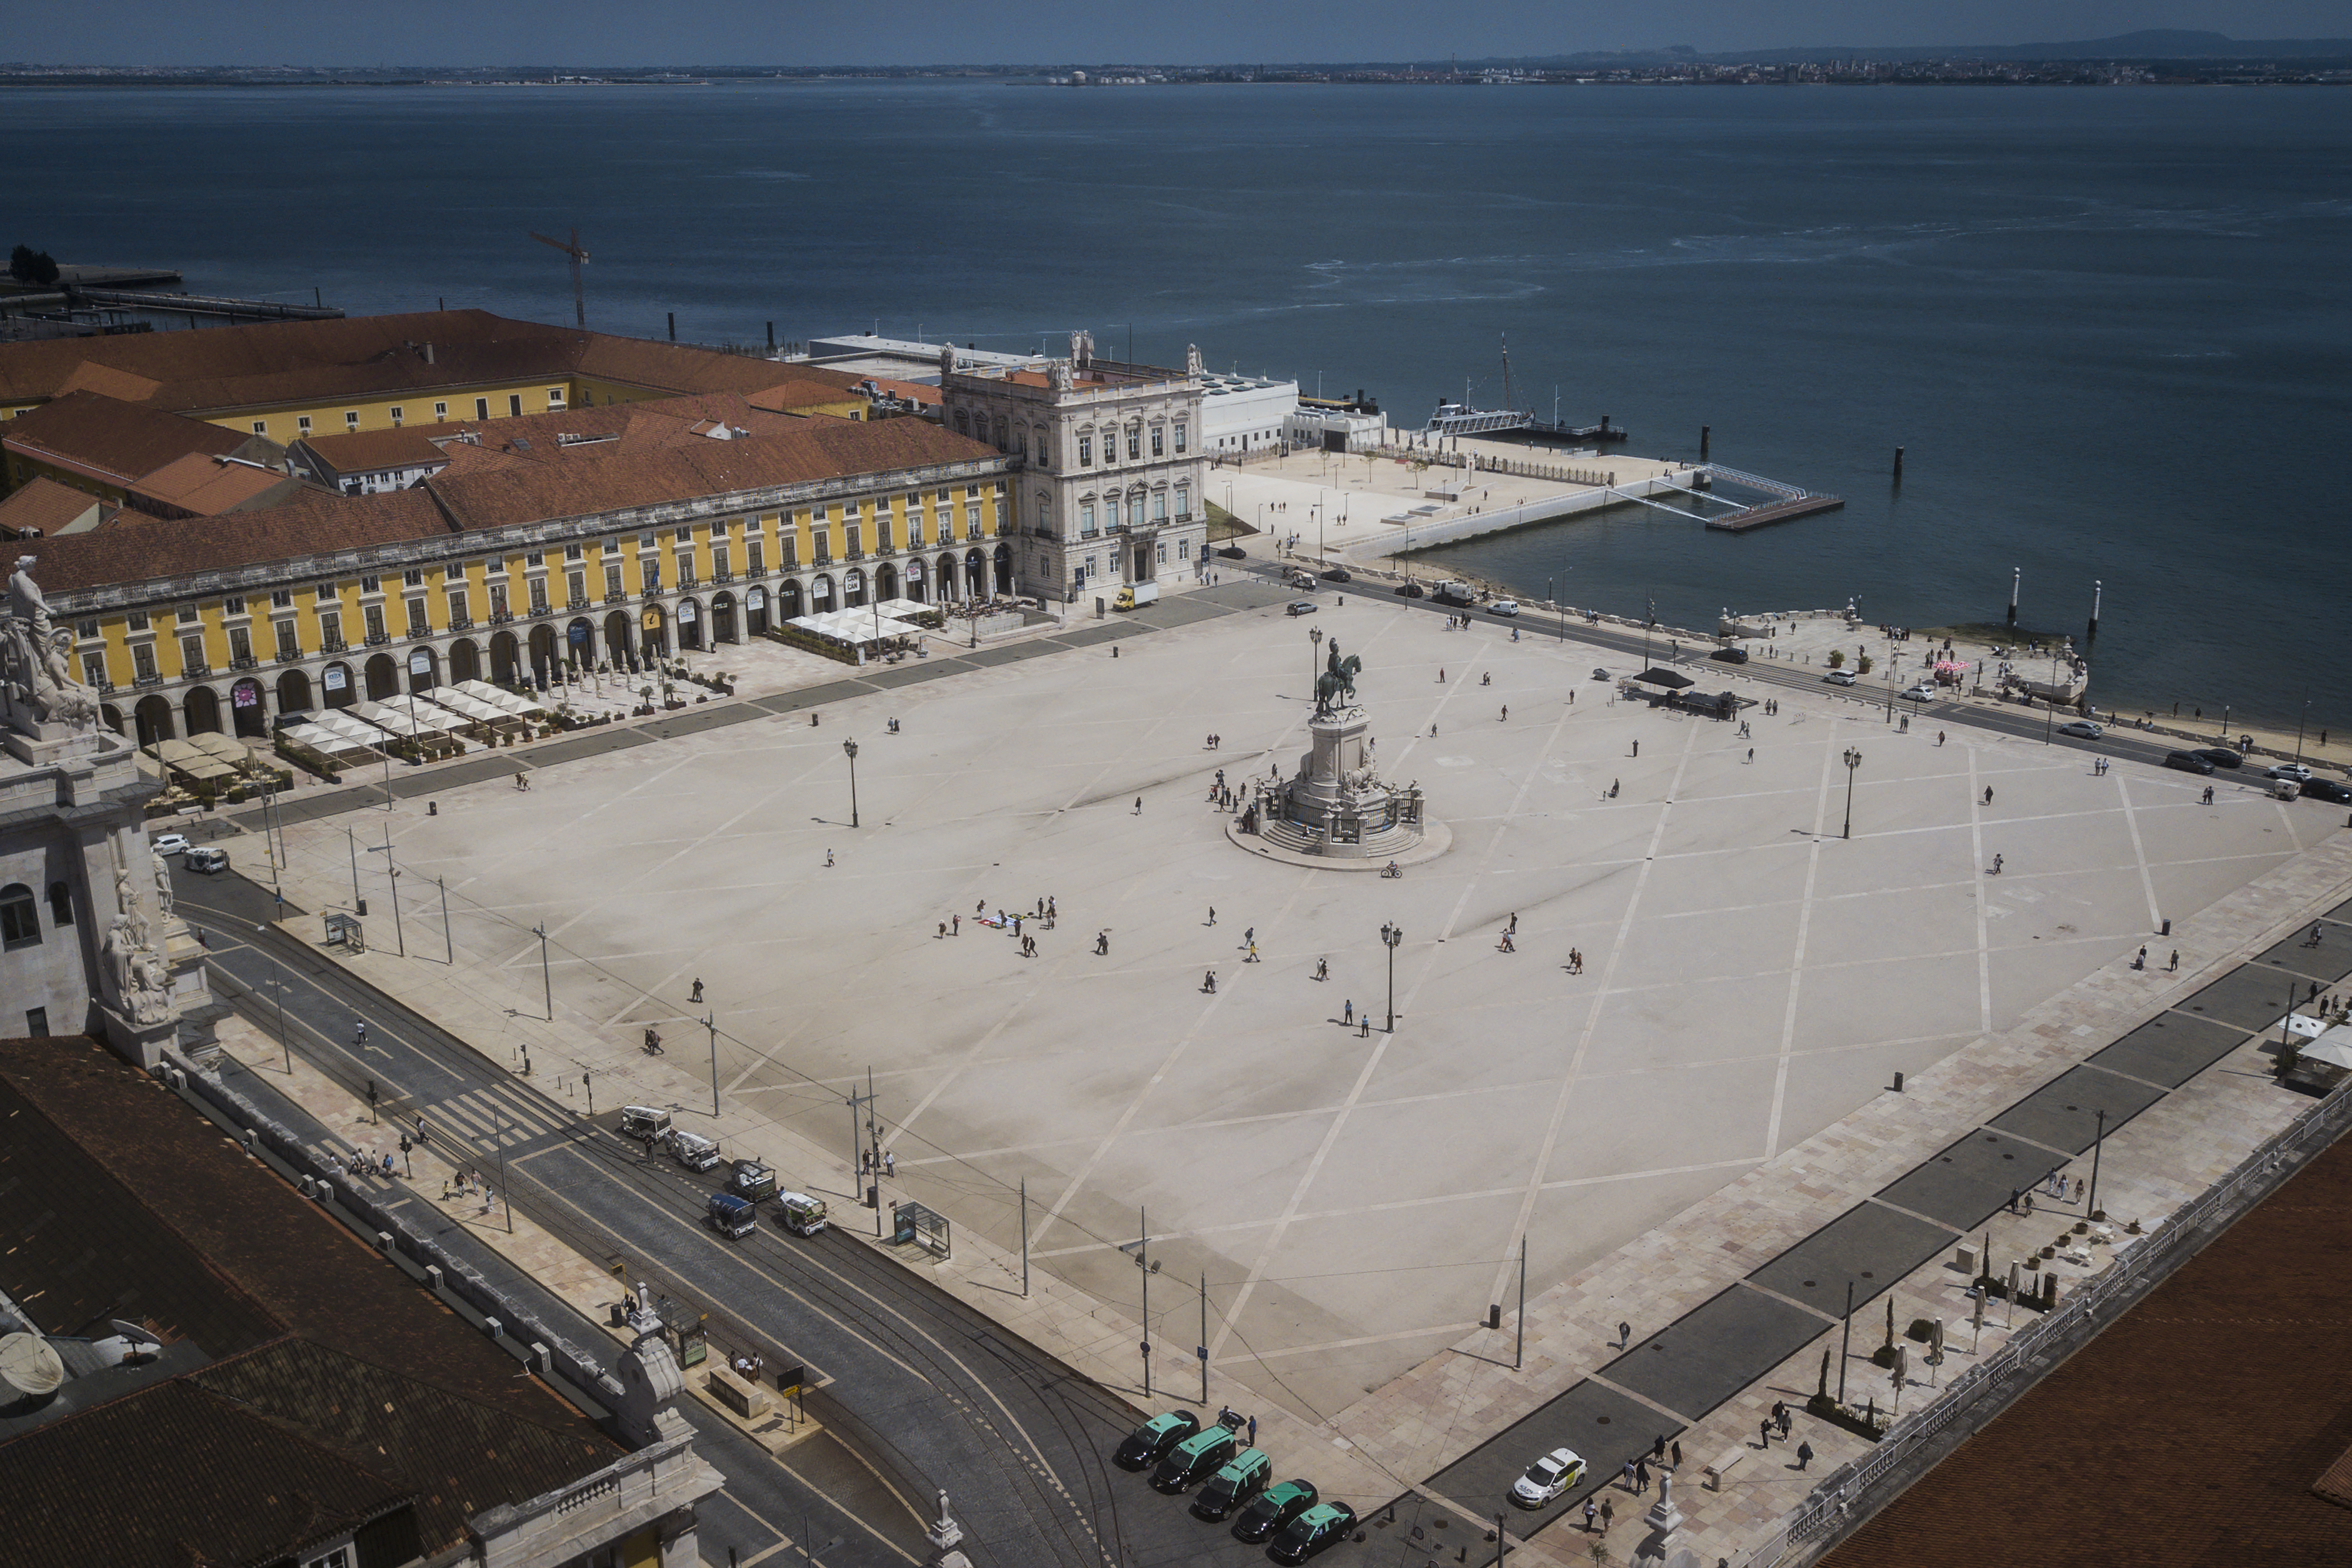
(1923, 692)
(1244, 1477)
(1275, 1507)
(644, 1121)
(2295, 771)
(2222, 757)
(1504, 607)
(1195, 1459)
(1150, 1443)
(1339, 574)
(1234, 552)
(2081, 728)
(1301, 607)
(1730, 655)
(1310, 1533)
(694, 1150)
(210, 861)
(169, 843)
(1840, 677)
(1408, 590)
(2188, 762)
(1302, 580)
(730, 1217)
(1548, 1477)
(2327, 790)
(1600, 674)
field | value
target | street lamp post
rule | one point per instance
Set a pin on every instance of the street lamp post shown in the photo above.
(1390, 935)
(850, 749)
(1852, 761)
(1314, 656)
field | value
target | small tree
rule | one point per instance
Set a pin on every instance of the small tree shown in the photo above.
(27, 265)
(1863, 663)
(1837, 658)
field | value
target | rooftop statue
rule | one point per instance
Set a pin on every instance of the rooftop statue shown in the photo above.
(33, 656)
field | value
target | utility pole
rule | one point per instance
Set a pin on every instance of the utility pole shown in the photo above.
(1390, 935)
(445, 941)
(1846, 1345)
(391, 875)
(277, 984)
(1024, 1239)
(1202, 1350)
(1143, 1261)
(359, 906)
(873, 1144)
(710, 1021)
(498, 1137)
(2090, 1207)
(1520, 1341)
(546, 979)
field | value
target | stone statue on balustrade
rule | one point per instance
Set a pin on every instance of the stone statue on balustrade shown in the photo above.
(33, 665)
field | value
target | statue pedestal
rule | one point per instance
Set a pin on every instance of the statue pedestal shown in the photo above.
(1337, 810)
(141, 1043)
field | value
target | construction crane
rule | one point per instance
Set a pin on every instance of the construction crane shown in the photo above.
(579, 259)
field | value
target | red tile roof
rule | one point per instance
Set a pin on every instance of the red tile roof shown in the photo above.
(108, 439)
(137, 549)
(200, 485)
(44, 505)
(373, 451)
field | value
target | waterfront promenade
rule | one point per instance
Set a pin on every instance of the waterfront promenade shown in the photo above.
(1734, 1014)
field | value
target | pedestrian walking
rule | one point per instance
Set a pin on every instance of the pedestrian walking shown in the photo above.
(1507, 714)
(1995, 865)
(828, 856)
(1505, 946)
(1253, 954)
(2174, 967)
(1781, 1420)
(1322, 969)
(1626, 1478)
(1987, 800)
(1209, 983)
(1253, 1437)
(2209, 794)
(1625, 1335)
(1608, 1514)
(359, 1034)
(1939, 737)
(1804, 1455)
(1764, 1433)
(1249, 935)
(1441, 675)
(1658, 1448)
(890, 1164)
(1637, 748)
(1515, 923)
(1213, 914)
(1347, 1014)
(1678, 1455)
(698, 992)
(1139, 805)
(1433, 731)
(1641, 1478)
(944, 931)
(1751, 754)
(1591, 1511)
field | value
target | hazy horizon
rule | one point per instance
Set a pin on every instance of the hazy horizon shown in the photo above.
(145, 33)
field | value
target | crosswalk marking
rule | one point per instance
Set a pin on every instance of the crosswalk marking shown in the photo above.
(485, 1115)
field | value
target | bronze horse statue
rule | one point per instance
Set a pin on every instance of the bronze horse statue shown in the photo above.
(1336, 686)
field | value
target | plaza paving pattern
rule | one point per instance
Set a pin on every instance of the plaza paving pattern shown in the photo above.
(1354, 1200)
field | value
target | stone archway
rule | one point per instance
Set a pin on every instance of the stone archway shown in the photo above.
(383, 677)
(423, 668)
(789, 600)
(1004, 569)
(506, 658)
(755, 612)
(580, 642)
(853, 589)
(655, 632)
(201, 707)
(722, 619)
(913, 588)
(338, 685)
(153, 716)
(821, 597)
(110, 716)
(886, 581)
(691, 631)
(464, 662)
(293, 692)
(975, 574)
(616, 639)
(542, 654)
(946, 578)
(247, 710)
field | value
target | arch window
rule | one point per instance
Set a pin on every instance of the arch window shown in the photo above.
(60, 904)
(963, 423)
(20, 917)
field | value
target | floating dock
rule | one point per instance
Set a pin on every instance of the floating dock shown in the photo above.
(1792, 502)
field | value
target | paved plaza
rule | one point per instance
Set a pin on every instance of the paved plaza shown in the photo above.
(1355, 1200)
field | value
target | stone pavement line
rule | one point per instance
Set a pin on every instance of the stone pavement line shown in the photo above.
(2142, 1165)
(1796, 958)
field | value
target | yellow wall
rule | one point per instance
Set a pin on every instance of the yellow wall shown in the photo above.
(282, 421)
(23, 470)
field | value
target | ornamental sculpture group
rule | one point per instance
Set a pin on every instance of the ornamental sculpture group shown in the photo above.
(33, 665)
(1336, 807)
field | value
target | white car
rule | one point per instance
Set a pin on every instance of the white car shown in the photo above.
(2294, 771)
(1504, 607)
(1840, 677)
(1923, 692)
(1548, 1477)
(169, 843)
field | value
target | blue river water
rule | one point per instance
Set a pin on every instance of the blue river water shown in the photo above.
(2109, 326)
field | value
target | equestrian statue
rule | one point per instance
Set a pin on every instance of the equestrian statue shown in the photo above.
(1335, 688)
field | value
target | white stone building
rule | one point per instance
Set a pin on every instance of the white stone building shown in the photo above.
(1109, 465)
(1244, 414)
